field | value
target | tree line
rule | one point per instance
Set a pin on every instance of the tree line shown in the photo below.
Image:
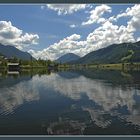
(26, 63)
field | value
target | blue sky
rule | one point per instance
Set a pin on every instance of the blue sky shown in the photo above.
(50, 31)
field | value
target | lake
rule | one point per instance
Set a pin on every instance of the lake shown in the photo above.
(84, 102)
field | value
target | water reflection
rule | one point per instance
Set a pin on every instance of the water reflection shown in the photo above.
(90, 100)
(15, 94)
(103, 94)
(110, 99)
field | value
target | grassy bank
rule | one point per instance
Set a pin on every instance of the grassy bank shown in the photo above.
(119, 66)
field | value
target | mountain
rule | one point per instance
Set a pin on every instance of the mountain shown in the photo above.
(10, 51)
(116, 53)
(67, 58)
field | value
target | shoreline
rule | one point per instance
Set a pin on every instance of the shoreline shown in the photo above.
(117, 66)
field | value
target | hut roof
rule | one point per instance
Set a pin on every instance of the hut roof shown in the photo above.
(15, 64)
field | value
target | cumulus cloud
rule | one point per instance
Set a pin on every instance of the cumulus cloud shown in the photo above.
(109, 34)
(96, 14)
(134, 14)
(11, 35)
(64, 9)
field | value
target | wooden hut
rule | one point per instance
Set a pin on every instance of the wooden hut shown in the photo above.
(13, 66)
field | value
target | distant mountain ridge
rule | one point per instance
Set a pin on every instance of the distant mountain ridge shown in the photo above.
(67, 58)
(116, 53)
(11, 51)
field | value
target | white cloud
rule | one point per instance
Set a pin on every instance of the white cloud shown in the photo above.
(64, 9)
(72, 26)
(73, 37)
(96, 14)
(11, 35)
(135, 10)
(134, 14)
(113, 18)
(109, 34)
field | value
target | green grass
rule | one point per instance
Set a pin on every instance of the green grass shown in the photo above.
(118, 66)
(108, 66)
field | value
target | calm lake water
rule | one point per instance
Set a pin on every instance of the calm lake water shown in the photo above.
(70, 102)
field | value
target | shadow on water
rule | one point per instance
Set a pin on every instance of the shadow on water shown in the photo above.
(84, 102)
(112, 76)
